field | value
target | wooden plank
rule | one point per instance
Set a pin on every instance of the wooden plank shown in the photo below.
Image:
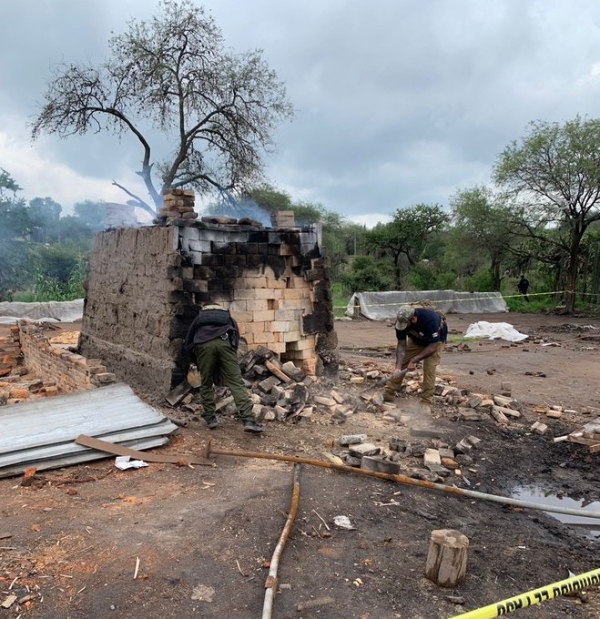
(582, 441)
(274, 369)
(120, 450)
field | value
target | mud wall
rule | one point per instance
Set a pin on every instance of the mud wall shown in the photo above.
(133, 292)
(146, 285)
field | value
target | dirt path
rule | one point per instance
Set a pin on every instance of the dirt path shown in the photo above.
(203, 536)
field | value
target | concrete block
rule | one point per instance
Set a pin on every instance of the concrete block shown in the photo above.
(364, 449)
(432, 457)
(380, 465)
(267, 384)
(352, 439)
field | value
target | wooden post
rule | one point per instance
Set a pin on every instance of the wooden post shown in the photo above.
(447, 558)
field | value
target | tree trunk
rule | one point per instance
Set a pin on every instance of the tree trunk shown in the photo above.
(495, 269)
(447, 558)
(573, 271)
(595, 285)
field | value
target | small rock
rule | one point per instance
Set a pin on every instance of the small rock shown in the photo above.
(450, 463)
(352, 461)
(352, 439)
(323, 400)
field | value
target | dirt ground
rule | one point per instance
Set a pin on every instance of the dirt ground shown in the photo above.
(91, 541)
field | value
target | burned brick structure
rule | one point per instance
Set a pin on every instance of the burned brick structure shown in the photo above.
(146, 284)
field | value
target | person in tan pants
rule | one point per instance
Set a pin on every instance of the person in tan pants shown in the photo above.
(421, 333)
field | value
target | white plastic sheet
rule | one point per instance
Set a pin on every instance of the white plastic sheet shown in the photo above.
(384, 305)
(495, 330)
(48, 311)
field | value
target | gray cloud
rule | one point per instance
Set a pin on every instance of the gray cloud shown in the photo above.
(398, 102)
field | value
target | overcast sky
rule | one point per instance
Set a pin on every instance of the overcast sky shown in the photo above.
(398, 102)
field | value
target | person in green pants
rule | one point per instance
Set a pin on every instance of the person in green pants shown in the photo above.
(213, 337)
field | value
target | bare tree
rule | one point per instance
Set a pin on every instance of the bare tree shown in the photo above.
(218, 109)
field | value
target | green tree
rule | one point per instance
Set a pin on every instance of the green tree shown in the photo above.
(174, 73)
(554, 175)
(481, 229)
(8, 185)
(15, 259)
(368, 273)
(73, 229)
(408, 236)
(59, 272)
(269, 198)
(45, 214)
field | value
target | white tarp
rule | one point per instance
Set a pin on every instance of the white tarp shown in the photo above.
(384, 305)
(49, 311)
(495, 330)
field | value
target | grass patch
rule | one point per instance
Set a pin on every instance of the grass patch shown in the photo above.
(459, 339)
(536, 305)
(340, 300)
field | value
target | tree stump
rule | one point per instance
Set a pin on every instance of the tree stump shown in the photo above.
(447, 558)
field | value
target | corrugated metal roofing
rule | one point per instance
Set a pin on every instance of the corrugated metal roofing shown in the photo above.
(42, 433)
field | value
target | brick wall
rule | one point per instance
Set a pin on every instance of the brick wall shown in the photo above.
(69, 371)
(10, 352)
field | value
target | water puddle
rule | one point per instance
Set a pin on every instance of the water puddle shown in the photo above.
(589, 527)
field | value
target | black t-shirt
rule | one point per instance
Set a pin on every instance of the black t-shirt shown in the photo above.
(429, 328)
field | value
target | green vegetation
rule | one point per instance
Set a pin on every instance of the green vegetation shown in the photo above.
(43, 255)
(340, 300)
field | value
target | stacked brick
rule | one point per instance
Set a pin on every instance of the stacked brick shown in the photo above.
(9, 352)
(283, 219)
(178, 207)
(277, 291)
(68, 371)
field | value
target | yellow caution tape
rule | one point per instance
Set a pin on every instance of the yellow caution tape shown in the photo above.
(564, 587)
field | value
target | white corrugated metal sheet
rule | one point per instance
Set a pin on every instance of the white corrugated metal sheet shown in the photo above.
(42, 433)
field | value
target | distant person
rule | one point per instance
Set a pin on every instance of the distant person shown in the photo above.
(214, 337)
(421, 333)
(523, 287)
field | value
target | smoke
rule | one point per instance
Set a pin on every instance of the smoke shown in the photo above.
(239, 209)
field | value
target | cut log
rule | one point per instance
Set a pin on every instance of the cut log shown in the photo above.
(447, 558)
